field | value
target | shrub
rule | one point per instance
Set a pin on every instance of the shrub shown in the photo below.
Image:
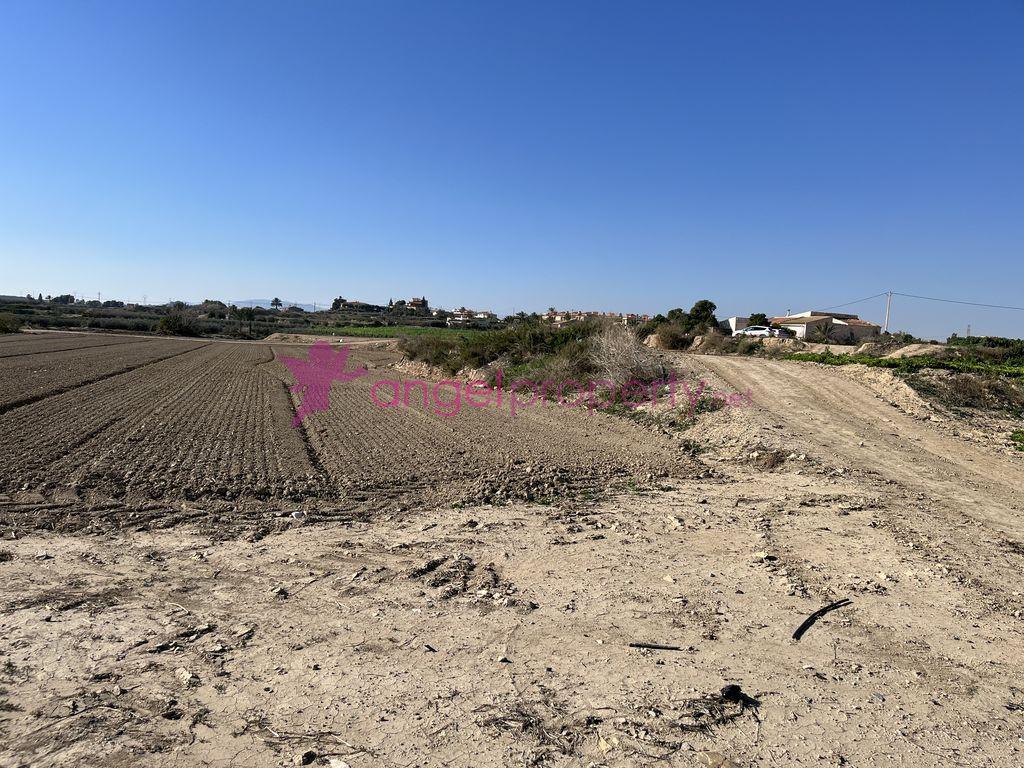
(970, 390)
(178, 323)
(9, 323)
(621, 358)
(438, 351)
(673, 336)
(719, 343)
(538, 352)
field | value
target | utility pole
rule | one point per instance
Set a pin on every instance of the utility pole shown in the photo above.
(888, 304)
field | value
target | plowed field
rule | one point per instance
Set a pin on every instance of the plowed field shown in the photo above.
(151, 431)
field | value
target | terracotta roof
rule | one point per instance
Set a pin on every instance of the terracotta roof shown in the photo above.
(797, 320)
(862, 323)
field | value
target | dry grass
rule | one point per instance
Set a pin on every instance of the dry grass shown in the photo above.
(619, 355)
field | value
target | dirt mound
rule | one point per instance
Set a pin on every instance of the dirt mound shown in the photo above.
(917, 350)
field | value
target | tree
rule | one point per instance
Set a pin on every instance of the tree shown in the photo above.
(702, 314)
(276, 303)
(677, 315)
(824, 333)
(758, 318)
(248, 314)
(337, 303)
(236, 314)
(178, 323)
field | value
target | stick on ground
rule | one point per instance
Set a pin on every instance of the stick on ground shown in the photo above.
(809, 621)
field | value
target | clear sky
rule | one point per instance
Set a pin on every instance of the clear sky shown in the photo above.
(631, 156)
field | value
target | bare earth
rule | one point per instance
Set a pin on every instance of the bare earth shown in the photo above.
(187, 580)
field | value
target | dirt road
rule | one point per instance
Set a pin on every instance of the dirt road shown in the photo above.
(827, 409)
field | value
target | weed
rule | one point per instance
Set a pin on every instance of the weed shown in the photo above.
(1017, 439)
(691, 447)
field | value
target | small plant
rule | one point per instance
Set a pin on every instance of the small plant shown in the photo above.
(1017, 439)
(707, 404)
(691, 447)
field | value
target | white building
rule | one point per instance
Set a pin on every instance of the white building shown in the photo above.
(836, 327)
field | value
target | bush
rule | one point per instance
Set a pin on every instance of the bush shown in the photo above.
(538, 352)
(715, 343)
(673, 336)
(178, 323)
(621, 358)
(437, 351)
(9, 323)
(970, 390)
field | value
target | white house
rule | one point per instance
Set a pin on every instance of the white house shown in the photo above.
(735, 324)
(833, 326)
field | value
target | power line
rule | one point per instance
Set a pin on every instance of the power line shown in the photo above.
(858, 301)
(954, 301)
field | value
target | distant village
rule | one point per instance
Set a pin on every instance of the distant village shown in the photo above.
(484, 318)
(214, 316)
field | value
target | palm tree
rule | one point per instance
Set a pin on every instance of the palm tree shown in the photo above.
(276, 303)
(825, 334)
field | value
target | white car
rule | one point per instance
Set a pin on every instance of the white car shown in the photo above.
(762, 330)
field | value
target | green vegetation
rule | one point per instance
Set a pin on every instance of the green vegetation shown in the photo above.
(1017, 439)
(178, 323)
(911, 364)
(9, 323)
(521, 348)
(390, 331)
(215, 318)
(1009, 351)
(580, 353)
(678, 329)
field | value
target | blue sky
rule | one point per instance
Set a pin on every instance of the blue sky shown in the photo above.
(614, 156)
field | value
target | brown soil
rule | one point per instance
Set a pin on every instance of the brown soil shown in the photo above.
(472, 591)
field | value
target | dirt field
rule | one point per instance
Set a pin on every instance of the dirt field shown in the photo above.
(188, 580)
